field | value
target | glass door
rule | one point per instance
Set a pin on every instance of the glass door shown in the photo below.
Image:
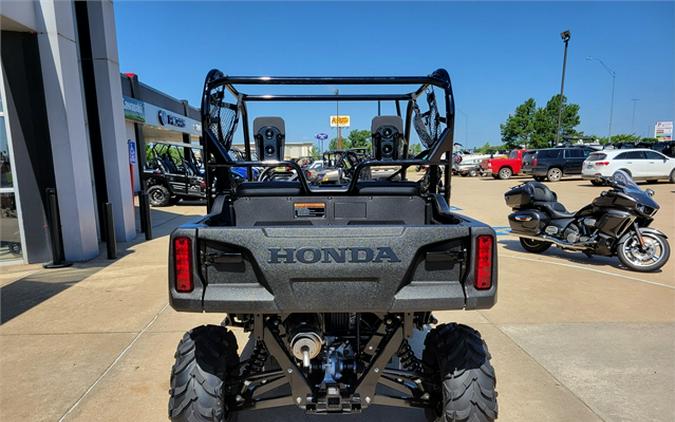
(11, 235)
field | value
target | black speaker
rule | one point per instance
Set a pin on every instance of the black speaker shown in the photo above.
(387, 133)
(270, 136)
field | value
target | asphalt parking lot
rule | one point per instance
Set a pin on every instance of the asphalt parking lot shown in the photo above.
(572, 338)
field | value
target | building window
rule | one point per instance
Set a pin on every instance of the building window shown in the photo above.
(10, 230)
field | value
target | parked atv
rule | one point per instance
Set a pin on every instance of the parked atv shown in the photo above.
(616, 223)
(332, 282)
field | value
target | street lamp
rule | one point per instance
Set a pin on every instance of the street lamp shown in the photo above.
(632, 121)
(565, 35)
(337, 118)
(611, 104)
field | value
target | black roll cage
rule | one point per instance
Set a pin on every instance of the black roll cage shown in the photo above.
(433, 156)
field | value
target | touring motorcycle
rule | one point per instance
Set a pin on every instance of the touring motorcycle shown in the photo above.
(615, 223)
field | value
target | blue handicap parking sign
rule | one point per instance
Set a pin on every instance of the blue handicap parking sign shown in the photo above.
(132, 151)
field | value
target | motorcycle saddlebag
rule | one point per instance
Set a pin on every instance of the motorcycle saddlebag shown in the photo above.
(529, 193)
(530, 222)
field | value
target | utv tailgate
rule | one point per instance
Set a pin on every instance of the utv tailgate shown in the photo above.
(329, 269)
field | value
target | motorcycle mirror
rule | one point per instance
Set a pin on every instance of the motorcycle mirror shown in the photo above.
(650, 192)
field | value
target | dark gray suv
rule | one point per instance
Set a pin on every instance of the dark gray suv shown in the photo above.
(553, 163)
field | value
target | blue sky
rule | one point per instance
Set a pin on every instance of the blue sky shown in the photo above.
(498, 54)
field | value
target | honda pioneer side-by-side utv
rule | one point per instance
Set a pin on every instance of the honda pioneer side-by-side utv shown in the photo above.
(335, 284)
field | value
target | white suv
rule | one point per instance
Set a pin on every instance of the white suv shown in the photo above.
(641, 164)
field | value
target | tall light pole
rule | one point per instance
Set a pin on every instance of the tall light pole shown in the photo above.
(611, 104)
(565, 35)
(337, 118)
(632, 120)
(466, 127)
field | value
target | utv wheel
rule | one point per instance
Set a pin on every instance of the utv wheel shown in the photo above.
(672, 176)
(464, 379)
(534, 246)
(206, 359)
(505, 173)
(158, 195)
(554, 174)
(473, 173)
(653, 256)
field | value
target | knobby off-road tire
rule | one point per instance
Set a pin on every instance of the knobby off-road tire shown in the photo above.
(459, 362)
(206, 358)
(534, 246)
(159, 196)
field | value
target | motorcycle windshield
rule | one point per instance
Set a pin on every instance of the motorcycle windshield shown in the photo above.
(624, 180)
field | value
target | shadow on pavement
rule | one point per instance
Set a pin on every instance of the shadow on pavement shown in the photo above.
(574, 257)
(372, 414)
(25, 293)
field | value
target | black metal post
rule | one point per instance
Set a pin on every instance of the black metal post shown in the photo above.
(565, 35)
(111, 244)
(144, 208)
(55, 233)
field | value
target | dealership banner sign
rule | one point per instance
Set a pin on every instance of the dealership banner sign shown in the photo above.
(663, 131)
(341, 121)
(134, 109)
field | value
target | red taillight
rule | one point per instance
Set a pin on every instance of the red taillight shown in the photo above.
(483, 268)
(533, 163)
(182, 262)
(601, 163)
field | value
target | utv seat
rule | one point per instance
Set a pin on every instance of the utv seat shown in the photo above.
(388, 188)
(272, 188)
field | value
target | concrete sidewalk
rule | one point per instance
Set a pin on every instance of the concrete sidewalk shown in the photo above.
(571, 340)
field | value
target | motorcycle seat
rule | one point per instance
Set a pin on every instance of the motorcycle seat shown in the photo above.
(555, 209)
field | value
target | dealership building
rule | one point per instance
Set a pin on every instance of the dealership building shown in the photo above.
(70, 121)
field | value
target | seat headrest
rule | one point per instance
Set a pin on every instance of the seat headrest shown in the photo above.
(381, 121)
(269, 134)
(387, 133)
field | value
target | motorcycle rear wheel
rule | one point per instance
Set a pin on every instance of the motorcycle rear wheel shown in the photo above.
(534, 246)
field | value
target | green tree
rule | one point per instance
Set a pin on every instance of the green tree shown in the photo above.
(359, 139)
(414, 149)
(622, 137)
(315, 154)
(332, 145)
(546, 122)
(519, 127)
(487, 149)
(536, 127)
(356, 139)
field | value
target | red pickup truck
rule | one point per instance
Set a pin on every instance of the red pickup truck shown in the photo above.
(504, 168)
